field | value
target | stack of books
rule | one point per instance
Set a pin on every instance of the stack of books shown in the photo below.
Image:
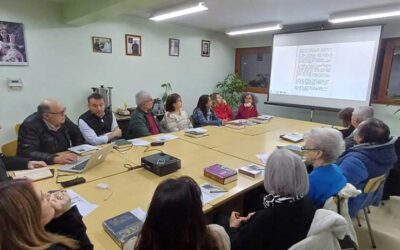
(83, 149)
(196, 132)
(122, 144)
(220, 173)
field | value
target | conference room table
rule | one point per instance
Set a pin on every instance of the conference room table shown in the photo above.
(134, 189)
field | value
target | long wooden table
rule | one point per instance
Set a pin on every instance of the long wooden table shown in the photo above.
(133, 189)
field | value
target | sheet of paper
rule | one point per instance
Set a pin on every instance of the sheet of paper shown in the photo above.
(165, 137)
(263, 158)
(139, 142)
(265, 116)
(210, 192)
(81, 203)
(294, 136)
(139, 213)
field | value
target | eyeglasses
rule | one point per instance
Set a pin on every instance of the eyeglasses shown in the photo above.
(62, 112)
(303, 148)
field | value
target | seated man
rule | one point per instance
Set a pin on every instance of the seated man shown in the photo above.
(143, 122)
(359, 115)
(47, 132)
(98, 125)
(373, 156)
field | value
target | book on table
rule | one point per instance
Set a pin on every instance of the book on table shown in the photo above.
(33, 174)
(239, 124)
(196, 132)
(122, 143)
(220, 173)
(251, 170)
(293, 137)
(125, 226)
(83, 149)
(261, 119)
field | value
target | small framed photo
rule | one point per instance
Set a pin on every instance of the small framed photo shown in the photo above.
(173, 47)
(133, 45)
(205, 48)
(101, 44)
(12, 44)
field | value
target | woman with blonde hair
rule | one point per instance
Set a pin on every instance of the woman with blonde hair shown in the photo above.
(220, 107)
(31, 219)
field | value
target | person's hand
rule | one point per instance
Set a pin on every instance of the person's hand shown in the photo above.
(36, 164)
(247, 218)
(236, 220)
(247, 104)
(116, 133)
(61, 202)
(223, 101)
(65, 158)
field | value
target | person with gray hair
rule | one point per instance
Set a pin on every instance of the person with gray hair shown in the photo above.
(322, 148)
(248, 107)
(287, 213)
(359, 115)
(46, 134)
(143, 122)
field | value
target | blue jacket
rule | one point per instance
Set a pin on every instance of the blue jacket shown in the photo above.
(325, 181)
(200, 120)
(363, 162)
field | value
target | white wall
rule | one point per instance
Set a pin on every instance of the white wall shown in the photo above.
(62, 64)
(383, 112)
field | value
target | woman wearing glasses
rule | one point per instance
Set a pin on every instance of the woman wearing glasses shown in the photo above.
(322, 147)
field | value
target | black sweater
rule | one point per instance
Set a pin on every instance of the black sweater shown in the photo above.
(275, 228)
(11, 163)
(70, 224)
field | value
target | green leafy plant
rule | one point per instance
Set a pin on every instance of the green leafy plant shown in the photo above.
(167, 91)
(230, 88)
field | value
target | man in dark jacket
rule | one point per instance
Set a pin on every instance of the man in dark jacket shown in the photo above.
(46, 133)
(373, 156)
(143, 122)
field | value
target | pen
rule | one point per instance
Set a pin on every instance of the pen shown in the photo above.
(218, 191)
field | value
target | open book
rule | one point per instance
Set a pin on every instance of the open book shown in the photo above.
(83, 149)
(33, 174)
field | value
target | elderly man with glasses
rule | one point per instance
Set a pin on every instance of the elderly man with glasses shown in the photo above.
(47, 133)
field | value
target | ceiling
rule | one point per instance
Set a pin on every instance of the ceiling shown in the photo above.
(225, 14)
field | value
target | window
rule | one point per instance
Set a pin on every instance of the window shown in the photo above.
(254, 67)
(387, 84)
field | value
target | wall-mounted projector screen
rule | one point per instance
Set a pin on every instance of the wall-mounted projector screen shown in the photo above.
(330, 68)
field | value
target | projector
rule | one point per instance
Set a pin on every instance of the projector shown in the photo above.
(161, 164)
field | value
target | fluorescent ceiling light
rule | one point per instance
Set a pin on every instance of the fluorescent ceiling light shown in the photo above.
(179, 11)
(255, 29)
(352, 16)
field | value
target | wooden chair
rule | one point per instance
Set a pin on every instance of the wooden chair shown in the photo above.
(371, 188)
(10, 148)
(17, 126)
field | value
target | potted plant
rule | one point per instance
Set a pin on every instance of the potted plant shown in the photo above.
(230, 88)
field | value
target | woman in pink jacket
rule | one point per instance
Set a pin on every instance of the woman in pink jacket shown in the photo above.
(248, 107)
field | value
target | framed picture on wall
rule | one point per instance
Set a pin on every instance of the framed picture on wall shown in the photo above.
(173, 47)
(12, 44)
(101, 44)
(205, 48)
(133, 45)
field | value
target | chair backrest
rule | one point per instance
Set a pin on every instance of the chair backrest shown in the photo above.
(10, 148)
(17, 126)
(373, 184)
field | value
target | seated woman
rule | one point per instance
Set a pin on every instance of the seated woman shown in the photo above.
(176, 221)
(345, 116)
(287, 215)
(203, 115)
(373, 155)
(221, 109)
(31, 219)
(175, 118)
(322, 148)
(248, 107)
